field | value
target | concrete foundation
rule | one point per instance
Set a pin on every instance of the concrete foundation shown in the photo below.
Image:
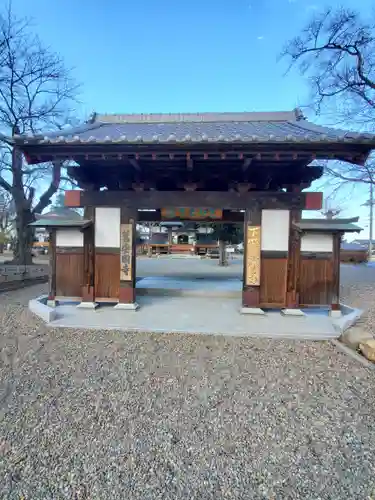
(196, 305)
(87, 305)
(127, 307)
(292, 312)
(252, 310)
(195, 315)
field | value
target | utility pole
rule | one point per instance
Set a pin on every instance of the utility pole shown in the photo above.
(370, 203)
(371, 219)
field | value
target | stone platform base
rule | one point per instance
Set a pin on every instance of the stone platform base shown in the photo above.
(195, 315)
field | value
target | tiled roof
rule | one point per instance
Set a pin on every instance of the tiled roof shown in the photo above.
(61, 222)
(352, 246)
(198, 128)
(328, 225)
(203, 239)
(64, 213)
(159, 239)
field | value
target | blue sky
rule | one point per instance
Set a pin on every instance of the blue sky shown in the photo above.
(174, 56)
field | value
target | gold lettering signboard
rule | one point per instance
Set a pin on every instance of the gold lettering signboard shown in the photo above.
(253, 255)
(191, 213)
(126, 251)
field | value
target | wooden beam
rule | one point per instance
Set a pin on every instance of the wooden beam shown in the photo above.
(252, 256)
(246, 164)
(155, 216)
(127, 276)
(208, 199)
(52, 265)
(135, 164)
(335, 298)
(88, 285)
(294, 256)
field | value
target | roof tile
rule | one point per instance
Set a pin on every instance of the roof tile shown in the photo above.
(197, 128)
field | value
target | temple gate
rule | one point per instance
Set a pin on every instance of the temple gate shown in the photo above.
(251, 168)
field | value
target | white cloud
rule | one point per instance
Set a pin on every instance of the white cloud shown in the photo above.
(261, 37)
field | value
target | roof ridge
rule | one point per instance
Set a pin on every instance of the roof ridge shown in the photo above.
(206, 117)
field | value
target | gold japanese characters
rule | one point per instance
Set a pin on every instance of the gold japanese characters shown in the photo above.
(253, 256)
(126, 252)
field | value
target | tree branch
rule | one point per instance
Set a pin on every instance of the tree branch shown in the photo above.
(45, 199)
(5, 185)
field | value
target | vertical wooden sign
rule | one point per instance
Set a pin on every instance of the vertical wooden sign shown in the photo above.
(126, 252)
(253, 255)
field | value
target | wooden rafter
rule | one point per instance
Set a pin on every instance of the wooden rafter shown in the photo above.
(135, 164)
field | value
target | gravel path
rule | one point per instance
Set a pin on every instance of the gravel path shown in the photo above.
(103, 415)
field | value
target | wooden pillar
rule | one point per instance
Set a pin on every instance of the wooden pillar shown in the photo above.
(252, 255)
(294, 258)
(128, 254)
(335, 300)
(88, 285)
(52, 267)
(170, 241)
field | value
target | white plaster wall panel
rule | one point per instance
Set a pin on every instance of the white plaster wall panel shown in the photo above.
(275, 230)
(317, 242)
(69, 237)
(107, 227)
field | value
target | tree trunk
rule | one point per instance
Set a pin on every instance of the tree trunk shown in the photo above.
(223, 261)
(22, 253)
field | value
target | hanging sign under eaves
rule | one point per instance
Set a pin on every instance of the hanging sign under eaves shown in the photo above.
(187, 213)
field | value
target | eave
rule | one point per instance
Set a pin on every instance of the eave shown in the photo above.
(277, 151)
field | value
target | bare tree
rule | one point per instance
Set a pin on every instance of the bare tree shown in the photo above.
(336, 52)
(36, 91)
(7, 218)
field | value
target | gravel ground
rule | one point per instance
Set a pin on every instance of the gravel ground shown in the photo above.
(358, 290)
(103, 415)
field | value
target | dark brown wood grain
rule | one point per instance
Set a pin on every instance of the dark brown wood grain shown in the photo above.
(250, 294)
(316, 281)
(69, 274)
(273, 282)
(107, 275)
(209, 199)
(52, 264)
(294, 251)
(335, 299)
(127, 292)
